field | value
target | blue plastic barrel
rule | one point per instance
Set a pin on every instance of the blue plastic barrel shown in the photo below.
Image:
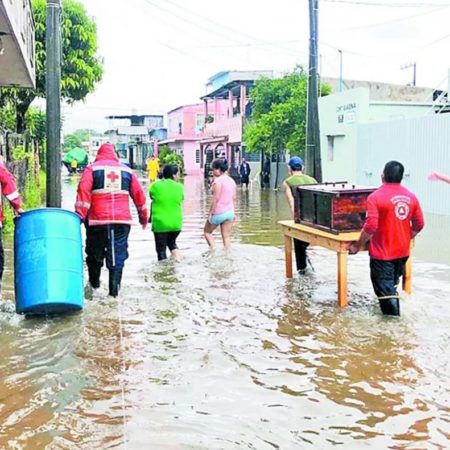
(48, 262)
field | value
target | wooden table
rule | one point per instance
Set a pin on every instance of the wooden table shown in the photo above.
(335, 242)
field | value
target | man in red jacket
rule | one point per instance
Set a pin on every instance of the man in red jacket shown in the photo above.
(103, 203)
(9, 190)
(394, 217)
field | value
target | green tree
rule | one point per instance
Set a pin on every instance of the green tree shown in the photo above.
(71, 141)
(81, 67)
(77, 138)
(278, 120)
(8, 116)
(37, 126)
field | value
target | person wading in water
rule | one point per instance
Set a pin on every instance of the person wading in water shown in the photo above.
(222, 210)
(103, 203)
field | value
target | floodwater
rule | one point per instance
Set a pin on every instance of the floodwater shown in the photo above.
(222, 352)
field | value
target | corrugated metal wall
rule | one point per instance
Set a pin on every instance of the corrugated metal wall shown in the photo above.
(422, 144)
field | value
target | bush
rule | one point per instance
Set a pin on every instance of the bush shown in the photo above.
(168, 156)
(31, 198)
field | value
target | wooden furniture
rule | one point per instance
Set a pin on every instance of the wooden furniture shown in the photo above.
(335, 242)
(334, 207)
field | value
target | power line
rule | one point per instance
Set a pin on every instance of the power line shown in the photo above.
(400, 19)
(192, 22)
(234, 30)
(435, 41)
(201, 26)
(390, 5)
(365, 55)
(218, 30)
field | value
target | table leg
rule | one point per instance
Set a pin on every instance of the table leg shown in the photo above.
(342, 278)
(288, 255)
(407, 276)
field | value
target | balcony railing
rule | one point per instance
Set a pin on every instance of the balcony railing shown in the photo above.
(225, 127)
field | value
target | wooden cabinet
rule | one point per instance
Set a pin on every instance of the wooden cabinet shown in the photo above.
(333, 207)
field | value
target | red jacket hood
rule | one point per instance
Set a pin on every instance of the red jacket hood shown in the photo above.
(106, 152)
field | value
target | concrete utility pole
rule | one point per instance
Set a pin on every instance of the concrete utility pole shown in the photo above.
(313, 158)
(53, 94)
(414, 67)
(340, 70)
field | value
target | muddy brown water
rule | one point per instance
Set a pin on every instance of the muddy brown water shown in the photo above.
(222, 352)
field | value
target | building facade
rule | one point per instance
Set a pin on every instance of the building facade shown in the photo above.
(341, 116)
(131, 135)
(228, 103)
(17, 60)
(185, 131)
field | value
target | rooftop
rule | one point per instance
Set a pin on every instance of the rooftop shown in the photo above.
(386, 91)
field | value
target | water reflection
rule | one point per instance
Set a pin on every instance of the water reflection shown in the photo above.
(219, 351)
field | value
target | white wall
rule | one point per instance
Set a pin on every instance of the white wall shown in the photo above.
(421, 144)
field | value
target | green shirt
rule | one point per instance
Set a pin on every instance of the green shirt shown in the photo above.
(298, 180)
(167, 212)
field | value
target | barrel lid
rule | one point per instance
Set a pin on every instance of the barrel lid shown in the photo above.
(47, 211)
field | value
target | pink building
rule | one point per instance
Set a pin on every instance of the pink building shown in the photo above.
(223, 136)
(213, 129)
(185, 130)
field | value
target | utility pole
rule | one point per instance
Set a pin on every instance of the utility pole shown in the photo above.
(53, 94)
(340, 70)
(313, 158)
(414, 67)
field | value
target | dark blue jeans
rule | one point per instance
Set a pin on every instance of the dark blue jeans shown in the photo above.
(385, 276)
(108, 242)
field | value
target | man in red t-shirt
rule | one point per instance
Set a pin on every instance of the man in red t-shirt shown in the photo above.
(393, 218)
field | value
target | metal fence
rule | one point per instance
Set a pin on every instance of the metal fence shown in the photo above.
(8, 142)
(422, 144)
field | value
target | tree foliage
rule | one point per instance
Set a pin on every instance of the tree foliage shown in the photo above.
(36, 124)
(81, 67)
(278, 120)
(168, 156)
(76, 139)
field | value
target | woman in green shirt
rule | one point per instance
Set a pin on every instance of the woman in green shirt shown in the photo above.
(167, 198)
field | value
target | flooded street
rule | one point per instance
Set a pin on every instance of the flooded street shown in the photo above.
(221, 351)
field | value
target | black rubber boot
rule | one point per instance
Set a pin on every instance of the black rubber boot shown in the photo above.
(115, 277)
(94, 276)
(390, 306)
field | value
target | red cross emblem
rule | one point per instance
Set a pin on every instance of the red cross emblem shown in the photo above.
(112, 176)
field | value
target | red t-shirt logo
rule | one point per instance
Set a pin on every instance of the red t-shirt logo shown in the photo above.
(401, 210)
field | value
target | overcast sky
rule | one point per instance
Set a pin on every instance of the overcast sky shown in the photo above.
(158, 54)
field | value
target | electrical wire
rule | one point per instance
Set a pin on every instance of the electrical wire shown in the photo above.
(400, 19)
(389, 5)
(218, 30)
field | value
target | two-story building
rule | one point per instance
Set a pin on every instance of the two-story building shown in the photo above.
(17, 64)
(186, 126)
(223, 135)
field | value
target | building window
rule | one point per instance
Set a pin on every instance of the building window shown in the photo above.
(197, 156)
(180, 128)
(199, 121)
(330, 152)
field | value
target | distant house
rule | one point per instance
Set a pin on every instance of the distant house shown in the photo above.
(17, 61)
(223, 136)
(185, 129)
(131, 135)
